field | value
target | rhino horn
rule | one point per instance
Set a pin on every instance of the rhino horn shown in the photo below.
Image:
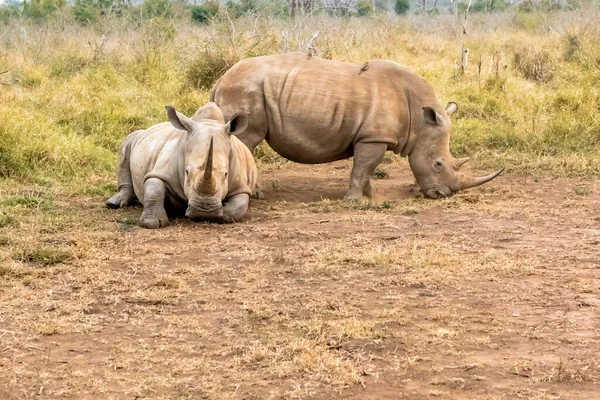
(467, 182)
(207, 185)
(459, 162)
(209, 163)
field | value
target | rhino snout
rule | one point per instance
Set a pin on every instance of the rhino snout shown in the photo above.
(211, 208)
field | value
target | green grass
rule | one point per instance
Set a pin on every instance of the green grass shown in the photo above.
(43, 256)
(336, 205)
(7, 219)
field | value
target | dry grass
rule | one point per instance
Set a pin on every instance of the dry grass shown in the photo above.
(441, 301)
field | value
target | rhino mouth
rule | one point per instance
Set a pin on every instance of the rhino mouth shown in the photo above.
(205, 208)
(437, 191)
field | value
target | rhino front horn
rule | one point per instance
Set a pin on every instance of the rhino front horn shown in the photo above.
(467, 182)
(206, 186)
(209, 163)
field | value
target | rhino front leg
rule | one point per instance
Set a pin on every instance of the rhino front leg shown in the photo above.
(367, 157)
(154, 214)
(368, 189)
(235, 208)
(125, 192)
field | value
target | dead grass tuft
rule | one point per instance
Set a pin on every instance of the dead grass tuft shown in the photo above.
(47, 330)
(534, 64)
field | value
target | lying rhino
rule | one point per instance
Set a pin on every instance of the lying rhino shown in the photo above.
(316, 111)
(200, 167)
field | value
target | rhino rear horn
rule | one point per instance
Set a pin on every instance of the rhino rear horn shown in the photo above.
(459, 162)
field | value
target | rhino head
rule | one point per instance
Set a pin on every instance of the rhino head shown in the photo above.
(434, 168)
(205, 156)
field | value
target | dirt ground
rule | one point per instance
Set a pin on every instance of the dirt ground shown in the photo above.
(492, 294)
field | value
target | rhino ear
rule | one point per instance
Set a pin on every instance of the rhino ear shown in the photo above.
(451, 108)
(237, 124)
(432, 117)
(180, 121)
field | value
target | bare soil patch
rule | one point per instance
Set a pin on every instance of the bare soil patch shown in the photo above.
(492, 294)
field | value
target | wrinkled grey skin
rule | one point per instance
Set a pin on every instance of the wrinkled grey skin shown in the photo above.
(199, 169)
(317, 111)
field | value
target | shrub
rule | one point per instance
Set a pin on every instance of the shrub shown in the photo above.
(207, 68)
(206, 12)
(549, 5)
(364, 8)
(10, 10)
(402, 7)
(489, 6)
(157, 8)
(40, 9)
(85, 12)
(234, 10)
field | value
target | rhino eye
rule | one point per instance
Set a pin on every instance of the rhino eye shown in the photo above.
(438, 165)
(225, 174)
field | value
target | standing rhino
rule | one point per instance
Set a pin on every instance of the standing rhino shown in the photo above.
(317, 111)
(200, 167)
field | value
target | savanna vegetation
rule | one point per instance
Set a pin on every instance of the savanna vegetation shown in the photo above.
(491, 294)
(528, 90)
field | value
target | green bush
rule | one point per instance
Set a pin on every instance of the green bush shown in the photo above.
(489, 6)
(549, 5)
(206, 12)
(234, 9)
(40, 9)
(157, 8)
(10, 10)
(85, 12)
(402, 7)
(364, 8)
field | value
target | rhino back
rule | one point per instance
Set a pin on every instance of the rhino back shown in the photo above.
(317, 109)
(155, 153)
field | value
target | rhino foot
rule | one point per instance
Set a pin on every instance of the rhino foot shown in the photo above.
(154, 222)
(258, 194)
(353, 196)
(117, 201)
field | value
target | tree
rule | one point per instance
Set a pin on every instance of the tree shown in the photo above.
(402, 6)
(364, 7)
(204, 13)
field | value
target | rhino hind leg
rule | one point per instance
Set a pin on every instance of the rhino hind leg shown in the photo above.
(367, 157)
(154, 214)
(125, 194)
